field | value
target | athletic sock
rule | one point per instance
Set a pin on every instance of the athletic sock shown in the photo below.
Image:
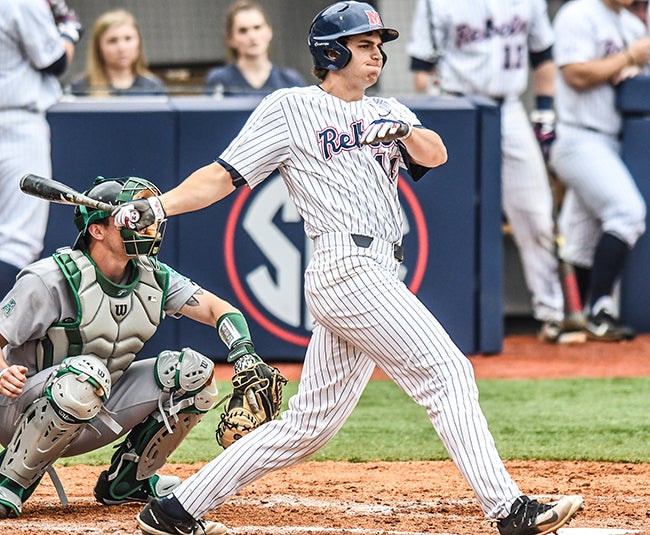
(174, 509)
(609, 260)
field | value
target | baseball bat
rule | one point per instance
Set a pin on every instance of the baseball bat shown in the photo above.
(573, 310)
(53, 191)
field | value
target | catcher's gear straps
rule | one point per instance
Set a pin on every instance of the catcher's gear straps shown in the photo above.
(188, 377)
(104, 332)
(73, 397)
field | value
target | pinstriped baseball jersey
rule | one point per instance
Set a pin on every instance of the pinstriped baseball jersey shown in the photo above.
(482, 45)
(29, 41)
(587, 30)
(312, 138)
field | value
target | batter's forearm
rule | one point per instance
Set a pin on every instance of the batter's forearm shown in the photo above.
(203, 187)
(425, 147)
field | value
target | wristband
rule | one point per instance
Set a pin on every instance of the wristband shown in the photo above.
(157, 208)
(233, 331)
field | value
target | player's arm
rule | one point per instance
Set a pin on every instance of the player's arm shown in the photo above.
(12, 378)
(230, 323)
(585, 75)
(425, 147)
(203, 187)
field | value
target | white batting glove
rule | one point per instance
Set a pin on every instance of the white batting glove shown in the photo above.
(139, 214)
(385, 130)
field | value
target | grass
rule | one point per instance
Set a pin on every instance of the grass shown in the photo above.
(565, 419)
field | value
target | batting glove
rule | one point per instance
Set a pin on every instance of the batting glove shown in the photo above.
(139, 214)
(67, 21)
(385, 130)
(543, 119)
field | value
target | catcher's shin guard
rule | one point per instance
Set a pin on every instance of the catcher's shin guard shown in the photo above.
(73, 397)
(132, 473)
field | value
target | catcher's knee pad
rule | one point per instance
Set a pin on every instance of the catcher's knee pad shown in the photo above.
(73, 397)
(187, 375)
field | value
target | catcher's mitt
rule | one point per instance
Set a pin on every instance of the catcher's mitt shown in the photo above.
(256, 398)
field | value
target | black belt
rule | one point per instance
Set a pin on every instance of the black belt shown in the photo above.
(364, 241)
(498, 100)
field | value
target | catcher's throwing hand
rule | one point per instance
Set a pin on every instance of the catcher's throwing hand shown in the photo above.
(385, 130)
(139, 214)
(256, 399)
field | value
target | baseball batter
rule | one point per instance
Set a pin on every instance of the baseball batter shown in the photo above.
(70, 330)
(37, 41)
(339, 153)
(599, 43)
(487, 48)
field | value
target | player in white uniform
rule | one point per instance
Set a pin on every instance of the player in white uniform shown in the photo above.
(70, 330)
(599, 42)
(339, 153)
(486, 48)
(36, 44)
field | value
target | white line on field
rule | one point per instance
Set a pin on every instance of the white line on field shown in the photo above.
(318, 529)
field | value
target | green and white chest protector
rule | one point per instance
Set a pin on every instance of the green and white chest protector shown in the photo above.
(113, 321)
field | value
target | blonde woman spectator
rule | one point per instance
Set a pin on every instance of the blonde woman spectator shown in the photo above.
(116, 62)
(250, 71)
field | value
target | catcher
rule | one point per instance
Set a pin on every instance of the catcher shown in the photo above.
(71, 329)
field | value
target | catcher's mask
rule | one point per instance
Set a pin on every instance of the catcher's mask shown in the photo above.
(338, 21)
(120, 191)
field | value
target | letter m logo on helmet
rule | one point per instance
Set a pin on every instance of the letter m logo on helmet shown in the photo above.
(334, 24)
(374, 19)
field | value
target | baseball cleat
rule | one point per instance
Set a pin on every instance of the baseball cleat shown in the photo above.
(555, 332)
(529, 517)
(604, 327)
(154, 520)
(157, 486)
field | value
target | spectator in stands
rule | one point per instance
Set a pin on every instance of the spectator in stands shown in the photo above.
(37, 43)
(250, 71)
(116, 62)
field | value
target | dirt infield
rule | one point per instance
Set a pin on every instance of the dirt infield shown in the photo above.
(413, 498)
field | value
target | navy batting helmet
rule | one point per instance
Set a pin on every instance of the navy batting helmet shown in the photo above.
(341, 20)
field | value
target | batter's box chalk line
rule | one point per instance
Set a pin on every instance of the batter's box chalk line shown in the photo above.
(595, 531)
(290, 530)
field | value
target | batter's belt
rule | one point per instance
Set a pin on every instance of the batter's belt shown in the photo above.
(359, 240)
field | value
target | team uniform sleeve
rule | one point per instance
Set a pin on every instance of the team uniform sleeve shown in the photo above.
(420, 47)
(179, 292)
(39, 34)
(263, 144)
(541, 34)
(28, 311)
(574, 41)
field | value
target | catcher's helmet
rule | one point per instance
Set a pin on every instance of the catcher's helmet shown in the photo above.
(119, 191)
(341, 20)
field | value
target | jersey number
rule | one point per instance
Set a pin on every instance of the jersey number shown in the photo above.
(513, 57)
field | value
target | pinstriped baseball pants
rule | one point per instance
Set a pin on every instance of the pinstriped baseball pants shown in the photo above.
(366, 317)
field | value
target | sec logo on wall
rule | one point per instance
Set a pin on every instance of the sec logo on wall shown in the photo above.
(266, 252)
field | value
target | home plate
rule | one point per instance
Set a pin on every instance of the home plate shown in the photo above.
(595, 531)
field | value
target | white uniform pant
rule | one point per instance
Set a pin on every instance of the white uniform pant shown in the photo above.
(24, 148)
(134, 397)
(365, 317)
(602, 196)
(528, 205)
